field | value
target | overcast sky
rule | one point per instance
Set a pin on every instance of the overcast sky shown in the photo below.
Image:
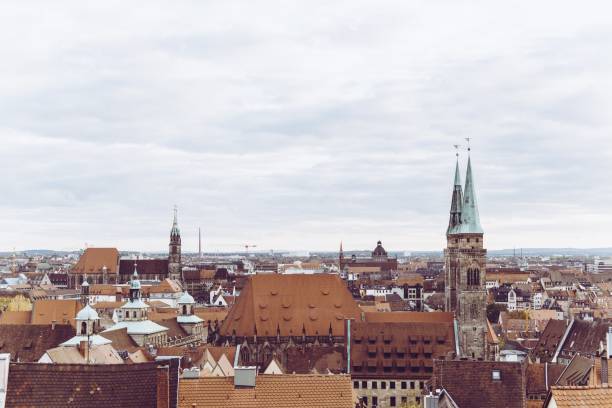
(296, 125)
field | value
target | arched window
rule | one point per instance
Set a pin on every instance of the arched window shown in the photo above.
(184, 309)
(127, 314)
(83, 328)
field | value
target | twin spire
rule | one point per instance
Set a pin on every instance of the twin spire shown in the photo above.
(464, 217)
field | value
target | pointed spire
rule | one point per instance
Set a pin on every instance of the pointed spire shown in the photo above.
(471, 217)
(454, 223)
(175, 229)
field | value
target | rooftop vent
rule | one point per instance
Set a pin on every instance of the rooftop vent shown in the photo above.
(244, 376)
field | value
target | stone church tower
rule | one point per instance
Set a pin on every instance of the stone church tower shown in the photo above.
(465, 266)
(174, 251)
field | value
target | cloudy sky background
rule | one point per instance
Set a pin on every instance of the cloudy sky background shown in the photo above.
(295, 125)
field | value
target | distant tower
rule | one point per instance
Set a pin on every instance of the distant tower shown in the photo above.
(174, 253)
(200, 242)
(465, 266)
(341, 258)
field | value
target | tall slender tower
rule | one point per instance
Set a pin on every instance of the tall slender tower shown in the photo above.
(465, 266)
(174, 253)
(200, 242)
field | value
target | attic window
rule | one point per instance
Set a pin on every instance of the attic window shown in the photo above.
(27, 344)
(496, 375)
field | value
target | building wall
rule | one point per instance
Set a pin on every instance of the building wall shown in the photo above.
(465, 253)
(404, 391)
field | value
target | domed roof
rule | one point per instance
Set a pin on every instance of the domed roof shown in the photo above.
(379, 250)
(186, 298)
(87, 313)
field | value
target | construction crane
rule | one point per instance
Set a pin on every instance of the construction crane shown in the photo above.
(247, 246)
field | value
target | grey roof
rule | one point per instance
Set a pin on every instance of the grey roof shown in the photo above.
(456, 204)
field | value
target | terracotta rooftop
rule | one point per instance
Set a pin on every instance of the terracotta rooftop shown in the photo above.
(409, 317)
(87, 386)
(47, 311)
(94, 259)
(399, 349)
(581, 397)
(16, 317)
(291, 304)
(287, 391)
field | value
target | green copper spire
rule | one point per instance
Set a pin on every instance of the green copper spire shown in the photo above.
(470, 218)
(456, 204)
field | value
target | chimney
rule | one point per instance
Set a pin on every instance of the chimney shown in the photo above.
(84, 347)
(53, 324)
(163, 387)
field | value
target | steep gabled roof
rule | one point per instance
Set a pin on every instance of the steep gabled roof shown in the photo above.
(94, 259)
(291, 305)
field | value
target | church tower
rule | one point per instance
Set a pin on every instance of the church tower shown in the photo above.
(174, 252)
(465, 266)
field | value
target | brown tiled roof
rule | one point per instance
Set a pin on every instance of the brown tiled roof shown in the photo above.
(145, 267)
(28, 342)
(16, 317)
(287, 391)
(94, 259)
(174, 329)
(470, 383)
(537, 376)
(82, 385)
(291, 304)
(582, 397)
(104, 289)
(315, 360)
(407, 317)
(211, 314)
(121, 340)
(409, 348)
(47, 311)
(584, 338)
(166, 286)
(550, 339)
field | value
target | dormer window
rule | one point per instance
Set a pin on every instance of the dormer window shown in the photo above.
(496, 375)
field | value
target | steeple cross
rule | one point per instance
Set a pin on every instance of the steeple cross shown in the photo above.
(468, 142)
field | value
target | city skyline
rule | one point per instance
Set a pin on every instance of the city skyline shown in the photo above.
(297, 133)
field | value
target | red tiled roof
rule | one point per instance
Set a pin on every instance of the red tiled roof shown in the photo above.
(286, 391)
(291, 304)
(94, 259)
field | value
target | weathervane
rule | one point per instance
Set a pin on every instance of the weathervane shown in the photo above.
(468, 142)
(457, 149)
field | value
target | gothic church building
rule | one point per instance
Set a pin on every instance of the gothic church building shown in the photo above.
(465, 266)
